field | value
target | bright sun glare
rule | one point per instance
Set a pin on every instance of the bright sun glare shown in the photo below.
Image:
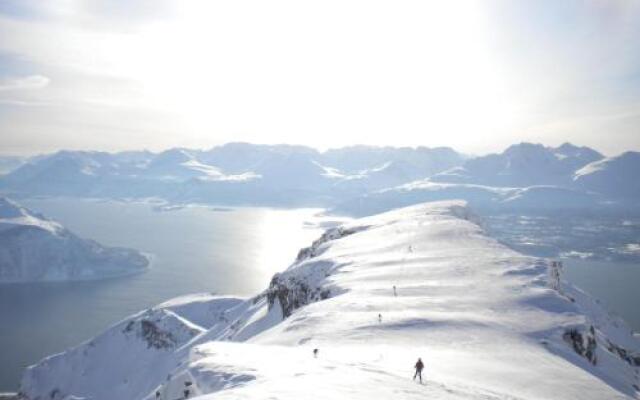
(473, 75)
(363, 66)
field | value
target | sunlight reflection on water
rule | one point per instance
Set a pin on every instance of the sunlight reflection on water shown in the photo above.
(195, 249)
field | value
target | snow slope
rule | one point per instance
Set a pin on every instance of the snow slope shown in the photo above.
(489, 323)
(612, 176)
(10, 163)
(34, 248)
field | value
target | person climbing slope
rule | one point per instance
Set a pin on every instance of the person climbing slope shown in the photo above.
(419, 366)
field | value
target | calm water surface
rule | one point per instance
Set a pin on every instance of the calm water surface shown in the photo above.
(196, 249)
(616, 284)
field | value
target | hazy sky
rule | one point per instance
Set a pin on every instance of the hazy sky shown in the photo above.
(474, 75)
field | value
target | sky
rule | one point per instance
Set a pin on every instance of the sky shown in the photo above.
(473, 75)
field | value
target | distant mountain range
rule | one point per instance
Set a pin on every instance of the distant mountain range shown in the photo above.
(356, 180)
(525, 177)
(523, 165)
(237, 173)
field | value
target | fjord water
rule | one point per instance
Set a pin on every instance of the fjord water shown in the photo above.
(194, 249)
(615, 284)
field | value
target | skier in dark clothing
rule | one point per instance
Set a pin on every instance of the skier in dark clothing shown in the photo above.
(186, 391)
(419, 366)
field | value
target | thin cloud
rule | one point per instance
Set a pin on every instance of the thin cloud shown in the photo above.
(473, 75)
(30, 82)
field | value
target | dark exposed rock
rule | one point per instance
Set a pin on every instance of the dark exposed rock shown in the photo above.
(583, 343)
(293, 293)
(331, 234)
(156, 337)
(152, 334)
(129, 326)
(631, 358)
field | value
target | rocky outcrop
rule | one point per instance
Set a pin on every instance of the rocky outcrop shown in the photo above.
(293, 293)
(583, 342)
(631, 358)
(306, 286)
(158, 330)
(154, 336)
(317, 247)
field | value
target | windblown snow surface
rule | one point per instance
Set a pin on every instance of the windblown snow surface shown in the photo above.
(488, 322)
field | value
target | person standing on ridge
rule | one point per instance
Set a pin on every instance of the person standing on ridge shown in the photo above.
(419, 366)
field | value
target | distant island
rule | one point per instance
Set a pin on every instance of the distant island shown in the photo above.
(34, 248)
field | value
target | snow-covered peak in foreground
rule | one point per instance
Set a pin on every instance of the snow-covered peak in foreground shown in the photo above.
(35, 248)
(372, 296)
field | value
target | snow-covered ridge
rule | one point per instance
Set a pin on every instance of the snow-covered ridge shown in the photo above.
(371, 296)
(613, 175)
(35, 248)
(12, 214)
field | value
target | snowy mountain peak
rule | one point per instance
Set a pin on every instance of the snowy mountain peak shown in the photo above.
(522, 165)
(526, 148)
(371, 297)
(571, 150)
(612, 175)
(576, 157)
(172, 157)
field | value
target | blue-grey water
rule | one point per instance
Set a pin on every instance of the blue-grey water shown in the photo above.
(616, 284)
(195, 249)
